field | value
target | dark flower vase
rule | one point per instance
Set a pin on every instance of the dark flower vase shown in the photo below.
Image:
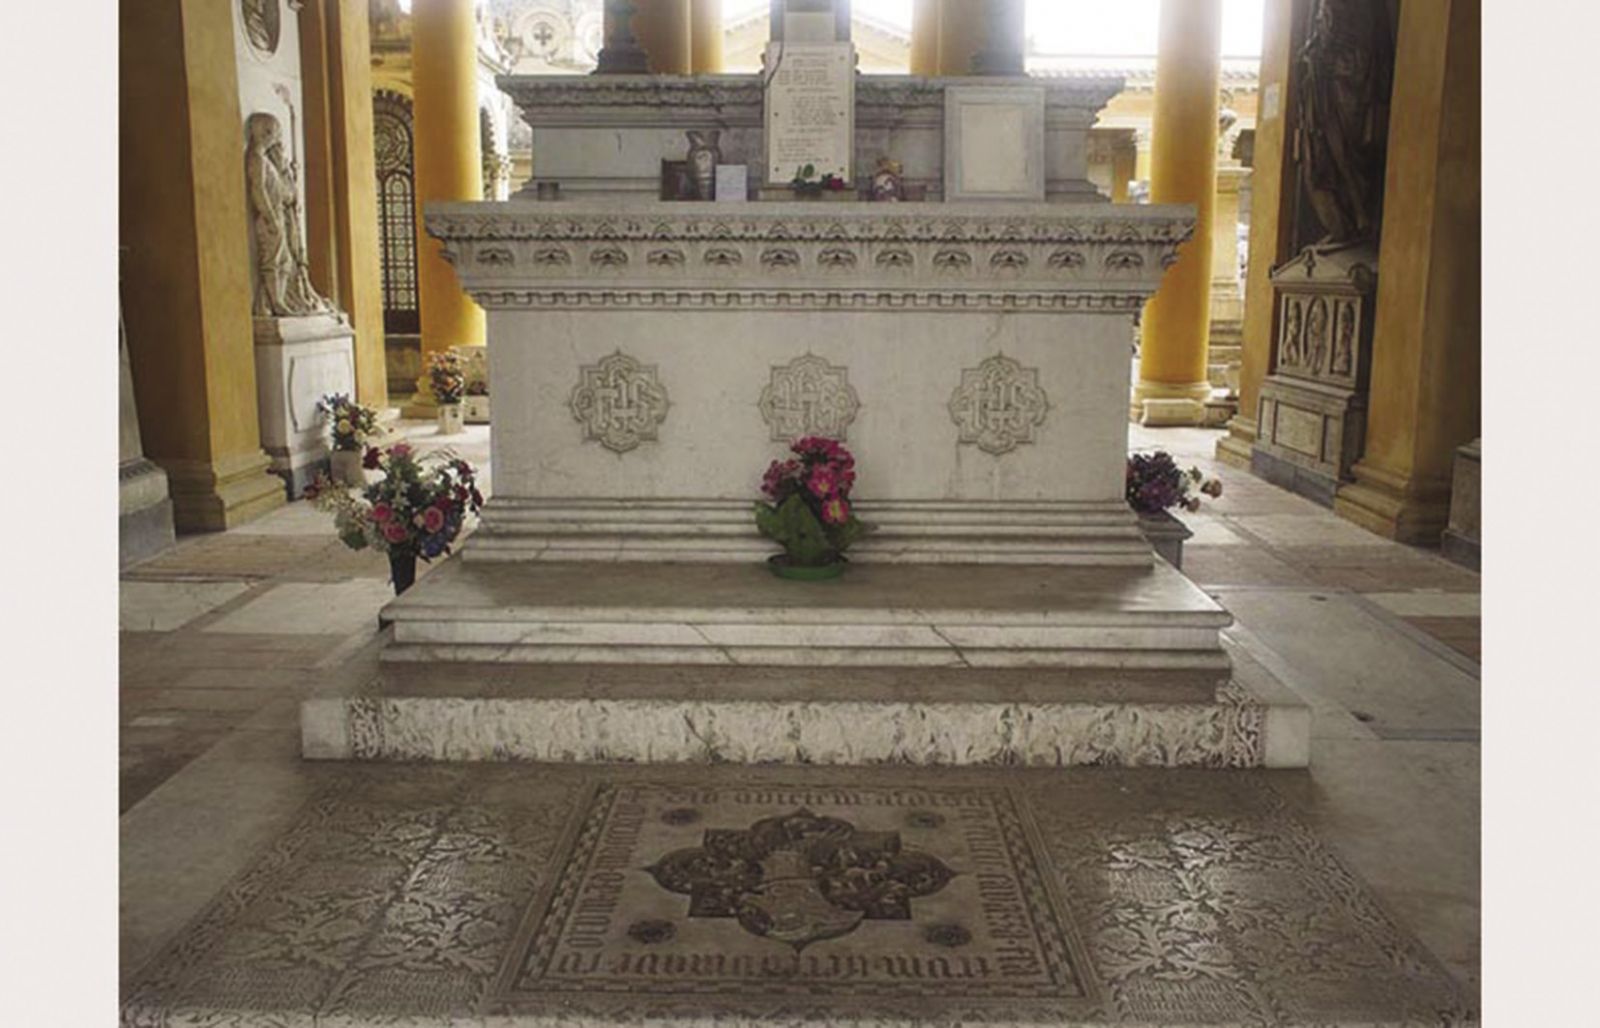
(402, 569)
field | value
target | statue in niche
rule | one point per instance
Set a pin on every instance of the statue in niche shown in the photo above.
(262, 24)
(1344, 338)
(283, 280)
(1345, 69)
(704, 156)
(1291, 334)
(1317, 334)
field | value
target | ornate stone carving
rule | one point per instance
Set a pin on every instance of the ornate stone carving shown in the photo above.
(952, 260)
(620, 402)
(666, 257)
(809, 396)
(283, 281)
(1343, 339)
(608, 257)
(723, 257)
(1289, 352)
(780, 257)
(1344, 70)
(496, 257)
(552, 257)
(1067, 260)
(1124, 260)
(836, 257)
(1009, 260)
(1317, 333)
(263, 24)
(998, 405)
(896, 258)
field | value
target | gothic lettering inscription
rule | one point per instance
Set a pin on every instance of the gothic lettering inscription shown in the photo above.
(796, 891)
(998, 405)
(809, 396)
(620, 402)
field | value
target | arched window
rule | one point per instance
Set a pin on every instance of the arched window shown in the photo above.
(397, 210)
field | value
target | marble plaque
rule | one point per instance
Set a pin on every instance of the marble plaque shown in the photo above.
(994, 143)
(809, 109)
(813, 895)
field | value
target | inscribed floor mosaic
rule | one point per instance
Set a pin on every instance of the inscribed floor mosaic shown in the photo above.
(409, 895)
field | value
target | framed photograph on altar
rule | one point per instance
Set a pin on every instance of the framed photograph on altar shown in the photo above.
(675, 181)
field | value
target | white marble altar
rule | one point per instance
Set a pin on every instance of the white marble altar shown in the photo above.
(986, 348)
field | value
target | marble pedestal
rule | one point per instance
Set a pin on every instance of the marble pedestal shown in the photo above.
(299, 360)
(890, 664)
(1463, 539)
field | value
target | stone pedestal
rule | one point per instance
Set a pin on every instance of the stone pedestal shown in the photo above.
(475, 405)
(1462, 541)
(1312, 410)
(144, 509)
(299, 360)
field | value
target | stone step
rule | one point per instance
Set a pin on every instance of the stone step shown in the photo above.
(601, 714)
(964, 616)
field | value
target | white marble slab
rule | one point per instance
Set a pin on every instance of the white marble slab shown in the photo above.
(165, 606)
(1430, 603)
(307, 608)
(1318, 529)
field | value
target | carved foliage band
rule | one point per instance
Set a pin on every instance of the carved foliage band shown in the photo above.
(620, 402)
(998, 405)
(809, 396)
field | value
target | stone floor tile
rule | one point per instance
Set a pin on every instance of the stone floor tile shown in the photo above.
(146, 606)
(1238, 565)
(1430, 603)
(1464, 635)
(301, 608)
(1310, 529)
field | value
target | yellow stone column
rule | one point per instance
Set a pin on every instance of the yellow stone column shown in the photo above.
(186, 286)
(925, 37)
(662, 28)
(1273, 197)
(1141, 164)
(1426, 376)
(449, 166)
(963, 32)
(1173, 384)
(705, 37)
(341, 180)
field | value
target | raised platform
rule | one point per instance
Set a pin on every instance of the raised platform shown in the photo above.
(995, 665)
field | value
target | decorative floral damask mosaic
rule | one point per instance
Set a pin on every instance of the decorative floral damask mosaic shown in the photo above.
(564, 896)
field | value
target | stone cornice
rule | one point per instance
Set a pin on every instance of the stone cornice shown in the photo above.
(1023, 257)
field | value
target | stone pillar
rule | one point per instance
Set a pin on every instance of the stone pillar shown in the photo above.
(144, 511)
(963, 32)
(925, 37)
(1424, 397)
(1124, 167)
(184, 226)
(1272, 204)
(1005, 38)
(621, 54)
(341, 182)
(1223, 352)
(662, 28)
(1173, 384)
(449, 166)
(705, 31)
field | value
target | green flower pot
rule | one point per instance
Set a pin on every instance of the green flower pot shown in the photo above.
(779, 563)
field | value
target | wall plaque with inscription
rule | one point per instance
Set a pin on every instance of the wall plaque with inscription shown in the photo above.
(810, 107)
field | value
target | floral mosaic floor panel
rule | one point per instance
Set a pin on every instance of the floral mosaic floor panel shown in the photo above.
(499, 896)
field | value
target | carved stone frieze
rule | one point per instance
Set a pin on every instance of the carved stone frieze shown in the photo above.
(1051, 257)
(620, 402)
(809, 396)
(998, 405)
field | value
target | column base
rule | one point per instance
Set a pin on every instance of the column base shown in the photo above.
(213, 496)
(1162, 404)
(1394, 506)
(1234, 449)
(144, 514)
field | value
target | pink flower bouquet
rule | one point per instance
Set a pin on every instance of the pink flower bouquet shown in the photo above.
(808, 508)
(418, 506)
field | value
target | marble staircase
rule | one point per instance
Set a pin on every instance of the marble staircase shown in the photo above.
(664, 662)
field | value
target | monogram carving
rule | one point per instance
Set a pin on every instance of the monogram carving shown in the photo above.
(998, 405)
(809, 396)
(620, 402)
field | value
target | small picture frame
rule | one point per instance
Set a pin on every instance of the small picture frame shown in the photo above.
(675, 181)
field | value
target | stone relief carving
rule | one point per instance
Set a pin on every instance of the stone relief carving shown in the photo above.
(608, 257)
(1070, 260)
(1290, 353)
(1124, 260)
(1009, 259)
(263, 24)
(952, 260)
(895, 259)
(998, 405)
(496, 257)
(620, 402)
(1344, 70)
(837, 257)
(283, 280)
(666, 257)
(780, 257)
(809, 396)
(723, 257)
(551, 257)
(1317, 334)
(1343, 340)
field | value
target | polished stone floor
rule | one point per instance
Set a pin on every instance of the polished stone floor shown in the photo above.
(1346, 894)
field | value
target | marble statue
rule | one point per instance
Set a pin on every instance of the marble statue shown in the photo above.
(261, 23)
(283, 281)
(1345, 67)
